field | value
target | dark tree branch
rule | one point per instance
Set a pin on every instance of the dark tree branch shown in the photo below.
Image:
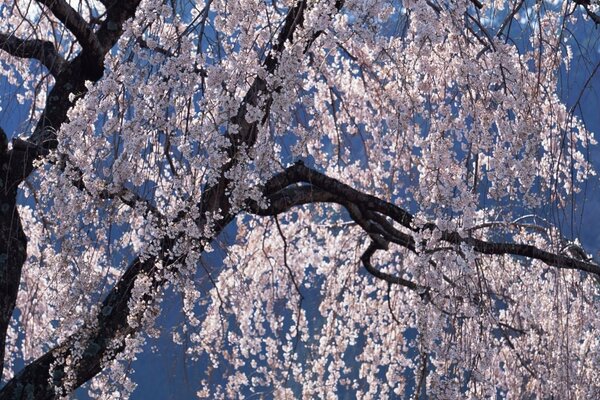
(87, 66)
(111, 29)
(103, 339)
(370, 213)
(378, 228)
(74, 23)
(523, 250)
(585, 4)
(366, 260)
(509, 17)
(45, 377)
(40, 50)
(247, 132)
(477, 4)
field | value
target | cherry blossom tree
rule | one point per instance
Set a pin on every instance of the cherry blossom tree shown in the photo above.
(389, 171)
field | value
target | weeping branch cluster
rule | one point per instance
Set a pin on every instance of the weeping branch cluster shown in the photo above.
(384, 222)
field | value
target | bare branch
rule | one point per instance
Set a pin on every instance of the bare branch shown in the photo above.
(366, 260)
(18, 163)
(300, 173)
(44, 377)
(509, 17)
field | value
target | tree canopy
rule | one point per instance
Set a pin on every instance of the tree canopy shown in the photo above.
(389, 183)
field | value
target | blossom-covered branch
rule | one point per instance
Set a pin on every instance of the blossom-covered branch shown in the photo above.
(104, 339)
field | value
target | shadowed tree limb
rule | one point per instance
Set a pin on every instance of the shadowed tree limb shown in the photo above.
(585, 4)
(114, 319)
(44, 378)
(41, 50)
(86, 66)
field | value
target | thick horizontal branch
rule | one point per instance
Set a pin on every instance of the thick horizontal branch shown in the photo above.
(366, 260)
(371, 213)
(299, 173)
(523, 250)
(377, 226)
(40, 50)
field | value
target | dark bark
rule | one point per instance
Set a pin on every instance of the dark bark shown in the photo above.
(585, 4)
(373, 215)
(75, 23)
(40, 50)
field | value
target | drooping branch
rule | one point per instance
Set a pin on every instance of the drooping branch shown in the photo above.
(41, 50)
